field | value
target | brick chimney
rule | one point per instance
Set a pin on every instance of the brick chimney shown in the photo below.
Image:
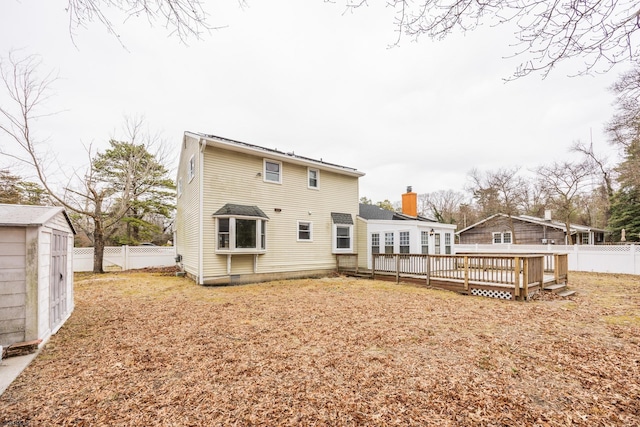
(410, 203)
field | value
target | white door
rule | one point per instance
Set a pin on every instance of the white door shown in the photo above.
(58, 282)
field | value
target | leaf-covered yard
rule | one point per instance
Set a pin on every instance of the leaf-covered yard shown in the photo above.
(152, 349)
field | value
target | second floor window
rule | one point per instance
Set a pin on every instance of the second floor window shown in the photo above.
(273, 171)
(314, 178)
(192, 168)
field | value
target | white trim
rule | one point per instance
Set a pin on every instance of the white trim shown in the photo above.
(233, 249)
(264, 171)
(317, 171)
(501, 234)
(298, 239)
(191, 167)
(334, 239)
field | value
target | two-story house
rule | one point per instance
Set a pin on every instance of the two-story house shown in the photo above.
(246, 213)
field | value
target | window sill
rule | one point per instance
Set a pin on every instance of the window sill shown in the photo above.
(240, 251)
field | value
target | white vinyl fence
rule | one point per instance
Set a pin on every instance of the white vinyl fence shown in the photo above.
(119, 258)
(623, 259)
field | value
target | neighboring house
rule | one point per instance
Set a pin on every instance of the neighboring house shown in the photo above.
(385, 231)
(247, 213)
(529, 230)
(36, 272)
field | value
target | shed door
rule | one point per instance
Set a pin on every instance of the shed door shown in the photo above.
(58, 282)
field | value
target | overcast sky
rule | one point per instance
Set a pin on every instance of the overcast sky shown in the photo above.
(306, 77)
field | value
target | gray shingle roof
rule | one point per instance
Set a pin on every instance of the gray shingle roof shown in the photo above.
(240, 210)
(341, 218)
(375, 212)
(29, 215)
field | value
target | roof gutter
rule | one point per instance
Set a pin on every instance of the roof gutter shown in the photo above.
(272, 154)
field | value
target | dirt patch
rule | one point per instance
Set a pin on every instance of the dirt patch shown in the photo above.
(154, 349)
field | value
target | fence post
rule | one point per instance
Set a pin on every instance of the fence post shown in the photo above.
(125, 257)
(633, 258)
(397, 268)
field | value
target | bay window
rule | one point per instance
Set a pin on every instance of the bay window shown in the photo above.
(240, 229)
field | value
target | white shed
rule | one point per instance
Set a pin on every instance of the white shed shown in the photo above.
(36, 272)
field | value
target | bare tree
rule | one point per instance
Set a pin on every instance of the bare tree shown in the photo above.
(566, 183)
(624, 127)
(602, 33)
(599, 164)
(87, 194)
(183, 18)
(442, 205)
(500, 191)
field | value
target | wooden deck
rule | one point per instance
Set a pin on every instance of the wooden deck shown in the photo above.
(505, 276)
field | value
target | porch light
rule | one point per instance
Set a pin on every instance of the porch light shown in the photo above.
(432, 232)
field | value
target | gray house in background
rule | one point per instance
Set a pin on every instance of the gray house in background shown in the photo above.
(529, 230)
(36, 272)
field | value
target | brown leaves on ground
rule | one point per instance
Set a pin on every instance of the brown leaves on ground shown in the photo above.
(149, 349)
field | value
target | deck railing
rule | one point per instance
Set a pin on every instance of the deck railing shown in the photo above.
(519, 271)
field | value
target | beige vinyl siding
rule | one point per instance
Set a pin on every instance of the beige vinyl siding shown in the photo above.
(362, 242)
(12, 284)
(188, 212)
(232, 177)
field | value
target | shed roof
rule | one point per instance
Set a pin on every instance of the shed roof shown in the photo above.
(30, 215)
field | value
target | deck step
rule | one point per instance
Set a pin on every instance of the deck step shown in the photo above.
(566, 293)
(556, 287)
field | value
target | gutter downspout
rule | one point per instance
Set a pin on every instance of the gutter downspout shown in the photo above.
(203, 145)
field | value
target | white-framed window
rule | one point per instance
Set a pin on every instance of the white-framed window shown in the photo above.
(272, 171)
(447, 243)
(192, 167)
(584, 238)
(238, 234)
(342, 238)
(375, 243)
(179, 187)
(436, 243)
(424, 241)
(388, 243)
(501, 237)
(313, 178)
(404, 242)
(305, 231)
